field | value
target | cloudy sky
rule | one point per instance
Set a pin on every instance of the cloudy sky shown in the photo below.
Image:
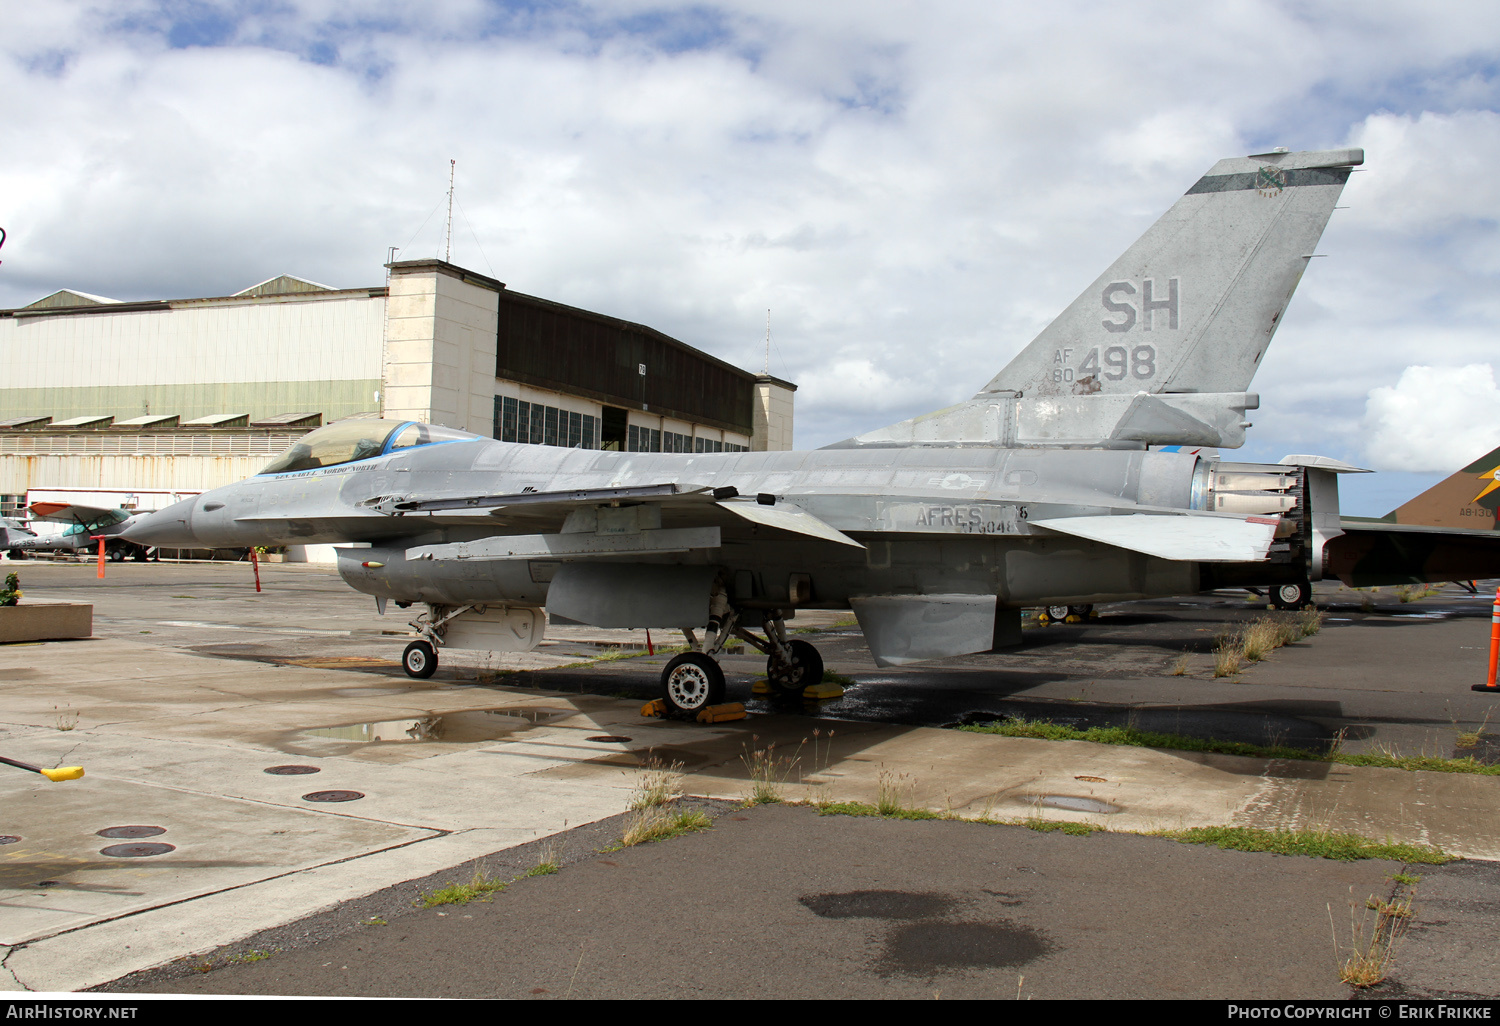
(912, 189)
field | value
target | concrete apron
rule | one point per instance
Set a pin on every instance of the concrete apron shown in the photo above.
(181, 742)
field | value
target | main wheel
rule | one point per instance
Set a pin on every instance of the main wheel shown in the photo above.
(1291, 596)
(116, 554)
(805, 669)
(420, 660)
(1058, 613)
(691, 683)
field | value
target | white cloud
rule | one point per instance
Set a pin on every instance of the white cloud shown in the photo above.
(914, 190)
(1433, 419)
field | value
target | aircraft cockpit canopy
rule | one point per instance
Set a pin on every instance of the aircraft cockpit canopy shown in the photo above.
(350, 440)
(107, 518)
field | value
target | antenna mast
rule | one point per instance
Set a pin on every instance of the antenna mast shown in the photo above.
(768, 342)
(448, 240)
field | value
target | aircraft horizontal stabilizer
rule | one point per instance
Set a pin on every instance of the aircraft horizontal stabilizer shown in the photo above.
(1199, 539)
(786, 517)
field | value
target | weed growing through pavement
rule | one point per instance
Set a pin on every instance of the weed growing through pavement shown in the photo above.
(768, 773)
(65, 719)
(481, 886)
(657, 784)
(1227, 654)
(891, 789)
(656, 823)
(1372, 945)
(549, 859)
(1387, 757)
(1468, 738)
(1180, 667)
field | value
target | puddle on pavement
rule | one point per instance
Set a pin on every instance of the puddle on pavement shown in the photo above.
(1070, 802)
(459, 727)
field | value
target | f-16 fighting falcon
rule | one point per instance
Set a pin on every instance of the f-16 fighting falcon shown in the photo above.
(1044, 488)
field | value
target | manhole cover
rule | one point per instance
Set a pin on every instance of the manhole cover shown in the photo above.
(291, 771)
(332, 796)
(136, 851)
(131, 831)
(609, 739)
(8, 839)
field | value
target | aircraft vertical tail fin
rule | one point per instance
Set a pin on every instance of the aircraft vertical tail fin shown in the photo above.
(1467, 499)
(1192, 305)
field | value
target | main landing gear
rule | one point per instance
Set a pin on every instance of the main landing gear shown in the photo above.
(693, 681)
(1291, 596)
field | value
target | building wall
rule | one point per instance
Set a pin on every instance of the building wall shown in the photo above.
(20, 474)
(261, 356)
(440, 346)
(773, 414)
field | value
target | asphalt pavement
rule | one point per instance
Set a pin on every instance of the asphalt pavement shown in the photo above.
(196, 687)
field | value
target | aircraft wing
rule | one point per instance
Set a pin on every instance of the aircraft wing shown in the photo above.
(1201, 538)
(1371, 553)
(68, 512)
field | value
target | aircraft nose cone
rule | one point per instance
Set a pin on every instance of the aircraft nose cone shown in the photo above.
(170, 528)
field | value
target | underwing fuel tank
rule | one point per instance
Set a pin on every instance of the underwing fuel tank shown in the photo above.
(386, 573)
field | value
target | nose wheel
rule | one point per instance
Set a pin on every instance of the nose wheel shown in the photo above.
(419, 660)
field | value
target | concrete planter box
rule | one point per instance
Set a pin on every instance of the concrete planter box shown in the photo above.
(46, 621)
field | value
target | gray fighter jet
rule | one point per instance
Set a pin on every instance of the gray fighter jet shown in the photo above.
(1042, 489)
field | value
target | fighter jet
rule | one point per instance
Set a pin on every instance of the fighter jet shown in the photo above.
(1042, 489)
(86, 525)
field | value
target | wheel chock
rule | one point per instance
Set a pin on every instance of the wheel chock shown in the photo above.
(820, 692)
(655, 707)
(1043, 619)
(722, 713)
(1073, 618)
(762, 686)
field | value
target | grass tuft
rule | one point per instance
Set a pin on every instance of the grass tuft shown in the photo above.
(655, 823)
(1323, 844)
(657, 785)
(481, 886)
(1049, 731)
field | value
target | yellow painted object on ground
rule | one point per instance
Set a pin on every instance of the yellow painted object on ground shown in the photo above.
(762, 686)
(57, 773)
(722, 713)
(820, 692)
(655, 707)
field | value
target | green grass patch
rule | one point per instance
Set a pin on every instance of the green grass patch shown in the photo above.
(481, 887)
(829, 677)
(861, 809)
(1046, 730)
(655, 823)
(1047, 826)
(1322, 844)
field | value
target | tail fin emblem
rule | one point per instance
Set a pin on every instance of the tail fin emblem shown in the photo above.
(1269, 181)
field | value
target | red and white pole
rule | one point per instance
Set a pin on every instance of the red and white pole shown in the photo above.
(1494, 646)
(101, 555)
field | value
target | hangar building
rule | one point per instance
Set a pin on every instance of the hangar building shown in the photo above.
(146, 401)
